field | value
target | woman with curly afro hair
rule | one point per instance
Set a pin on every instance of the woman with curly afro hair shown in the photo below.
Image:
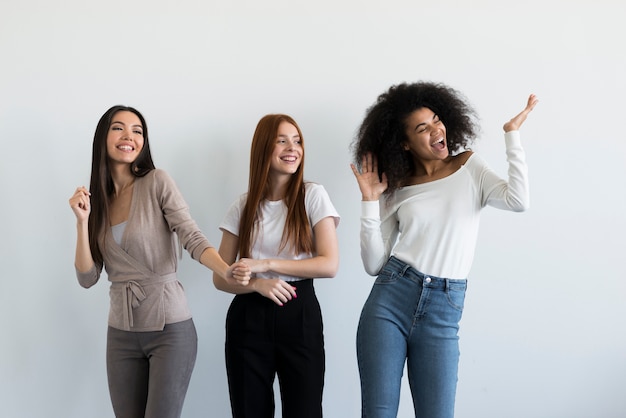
(413, 147)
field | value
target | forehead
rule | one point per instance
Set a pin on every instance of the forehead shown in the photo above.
(286, 128)
(126, 117)
(421, 115)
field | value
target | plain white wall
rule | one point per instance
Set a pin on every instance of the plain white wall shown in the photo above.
(542, 334)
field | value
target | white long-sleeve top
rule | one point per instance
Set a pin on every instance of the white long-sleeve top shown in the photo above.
(434, 226)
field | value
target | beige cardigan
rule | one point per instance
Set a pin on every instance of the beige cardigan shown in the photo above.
(145, 293)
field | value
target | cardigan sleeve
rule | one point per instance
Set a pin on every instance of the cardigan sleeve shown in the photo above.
(177, 216)
(90, 277)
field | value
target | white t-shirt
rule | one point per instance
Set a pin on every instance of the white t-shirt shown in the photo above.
(433, 226)
(269, 230)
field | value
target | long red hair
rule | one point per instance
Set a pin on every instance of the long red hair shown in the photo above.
(297, 232)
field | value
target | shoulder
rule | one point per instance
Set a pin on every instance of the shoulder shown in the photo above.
(160, 175)
(238, 204)
(160, 182)
(162, 179)
(155, 175)
(312, 187)
(318, 204)
(315, 191)
(461, 158)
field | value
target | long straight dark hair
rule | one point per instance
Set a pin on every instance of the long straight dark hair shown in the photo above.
(101, 185)
(297, 232)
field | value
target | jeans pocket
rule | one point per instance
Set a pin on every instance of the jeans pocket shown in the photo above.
(456, 298)
(386, 276)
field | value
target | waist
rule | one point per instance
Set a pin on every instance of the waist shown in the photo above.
(406, 270)
(141, 279)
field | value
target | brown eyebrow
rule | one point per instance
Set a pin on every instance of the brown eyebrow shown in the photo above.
(122, 123)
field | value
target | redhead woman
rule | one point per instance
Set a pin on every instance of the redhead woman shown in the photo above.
(285, 229)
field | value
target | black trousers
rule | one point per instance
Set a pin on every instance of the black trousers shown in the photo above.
(264, 340)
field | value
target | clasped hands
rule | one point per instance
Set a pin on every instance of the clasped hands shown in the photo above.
(275, 289)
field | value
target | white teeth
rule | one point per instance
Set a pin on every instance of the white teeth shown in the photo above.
(125, 147)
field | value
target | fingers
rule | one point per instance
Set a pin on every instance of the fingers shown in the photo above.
(516, 122)
(355, 171)
(241, 273)
(242, 277)
(532, 102)
(369, 164)
(80, 200)
(283, 294)
(279, 291)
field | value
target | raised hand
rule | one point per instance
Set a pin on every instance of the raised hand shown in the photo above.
(80, 202)
(515, 123)
(371, 185)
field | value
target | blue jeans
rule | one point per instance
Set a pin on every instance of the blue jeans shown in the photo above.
(414, 317)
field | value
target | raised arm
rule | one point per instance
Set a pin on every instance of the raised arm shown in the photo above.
(516, 122)
(80, 202)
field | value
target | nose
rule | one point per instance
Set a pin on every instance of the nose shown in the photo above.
(437, 131)
(128, 134)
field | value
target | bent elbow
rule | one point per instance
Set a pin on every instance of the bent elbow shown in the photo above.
(86, 284)
(371, 270)
(218, 282)
(332, 271)
(522, 207)
(518, 204)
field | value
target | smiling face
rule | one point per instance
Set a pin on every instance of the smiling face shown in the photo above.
(124, 138)
(426, 136)
(287, 155)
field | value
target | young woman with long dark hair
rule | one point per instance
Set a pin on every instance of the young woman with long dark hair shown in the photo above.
(132, 221)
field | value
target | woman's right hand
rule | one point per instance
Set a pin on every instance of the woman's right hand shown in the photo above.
(371, 185)
(276, 290)
(80, 202)
(238, 273)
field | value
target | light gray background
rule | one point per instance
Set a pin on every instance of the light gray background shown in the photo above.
(542, 334)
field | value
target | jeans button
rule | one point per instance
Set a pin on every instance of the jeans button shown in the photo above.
(427, 279)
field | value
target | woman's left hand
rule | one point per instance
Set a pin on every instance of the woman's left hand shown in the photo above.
(515, 123)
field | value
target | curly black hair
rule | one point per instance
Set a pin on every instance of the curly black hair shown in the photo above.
(382, 131)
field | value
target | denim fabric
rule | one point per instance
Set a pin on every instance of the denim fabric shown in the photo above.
(414, 317)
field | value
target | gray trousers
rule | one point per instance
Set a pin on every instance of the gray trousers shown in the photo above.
(149, 372)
